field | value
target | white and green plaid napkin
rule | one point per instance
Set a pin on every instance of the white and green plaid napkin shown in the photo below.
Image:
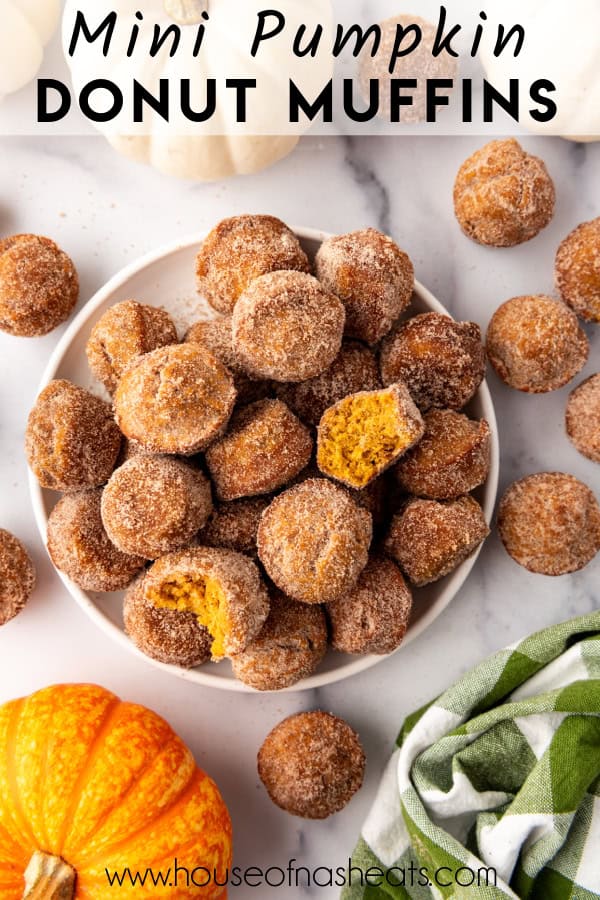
(501, 772)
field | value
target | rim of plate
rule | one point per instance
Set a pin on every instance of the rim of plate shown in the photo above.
(202, 675)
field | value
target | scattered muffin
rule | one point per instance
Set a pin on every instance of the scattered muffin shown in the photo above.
(287, 327)
(365, 434)
(17, 576)
(578, 270)
(583, 418)
(71, 441)
(429, 539)
(550, 523)
(453, 457)
(241, 249)
(535, 344)
(234, 526)
(314, 540)
(175, 400)
(224, 590)
(312, 764)
(373, 278)
(421, 65)
(442, 362)
(265, 447)
(154, 505)
(503, 196)
(39, 285)
(290, 646)
(169, 636)
(353, 370)
(374, 616)
(124, 333)
(80, 547)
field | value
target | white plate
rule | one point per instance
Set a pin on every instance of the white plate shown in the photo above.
(167, 278)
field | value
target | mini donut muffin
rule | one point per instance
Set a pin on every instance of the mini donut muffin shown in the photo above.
(39, 285)
(421, 65)
(373, 278)
(71, 441)
(224, 590)
(578, 270)
(374, 617)
(265, 447)
(125, 332)
(287, 327)
(429, 539)
(234, 526)
(583, 418)
(453, 458)
(503, 196)
(535, 344)
(364, 434)
(312, 764)
(17, 576)
(353, 370)
(175, 400)
(550, 523)
(80, 547)
(314, 540)
(290, 646)
(154, 505)
(442, 362)
(169, 636)
(241, 249)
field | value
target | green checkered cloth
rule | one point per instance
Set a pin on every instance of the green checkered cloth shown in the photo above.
(501, 772)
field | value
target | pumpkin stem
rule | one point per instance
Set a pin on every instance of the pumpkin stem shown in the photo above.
(49, 878)
(186, 12)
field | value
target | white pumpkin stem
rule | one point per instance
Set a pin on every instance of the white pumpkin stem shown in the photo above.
(49, 878)
(186, 12)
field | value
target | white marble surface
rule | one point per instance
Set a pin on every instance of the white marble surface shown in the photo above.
(106, 212)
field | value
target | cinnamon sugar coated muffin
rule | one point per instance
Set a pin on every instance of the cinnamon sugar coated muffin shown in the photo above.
(583, 418)
(364, 434)
(374, 616)
(550, 523)
(234, 525)
(265, 447)
(314, 540)
(175, 400)
(535, 344)
(80, 547)
(453, 457)
(354, 369)
(421, 65)
(503, 196)
(169, 636)
(17, 576)
(154, 505)
(125, 332)
(287, 327)
(39, 285)
(71, 441)
(578, 270)
(224, 590)
(241, 249)
(311, 765)
(373, 278)
(442, 362)
(290, 646)
(429, 539)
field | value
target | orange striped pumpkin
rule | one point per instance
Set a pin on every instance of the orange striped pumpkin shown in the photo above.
(89, 783)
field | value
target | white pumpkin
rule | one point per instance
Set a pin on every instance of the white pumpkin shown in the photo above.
(26, 26)
(219, 148)
(562, 45)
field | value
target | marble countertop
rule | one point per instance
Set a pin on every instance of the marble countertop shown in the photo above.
(106, 212)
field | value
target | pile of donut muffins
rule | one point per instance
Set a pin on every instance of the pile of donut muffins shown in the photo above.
(286, 476)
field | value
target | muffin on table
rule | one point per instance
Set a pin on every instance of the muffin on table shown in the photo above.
(577, 270)
(583, 418)
(17, 576)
